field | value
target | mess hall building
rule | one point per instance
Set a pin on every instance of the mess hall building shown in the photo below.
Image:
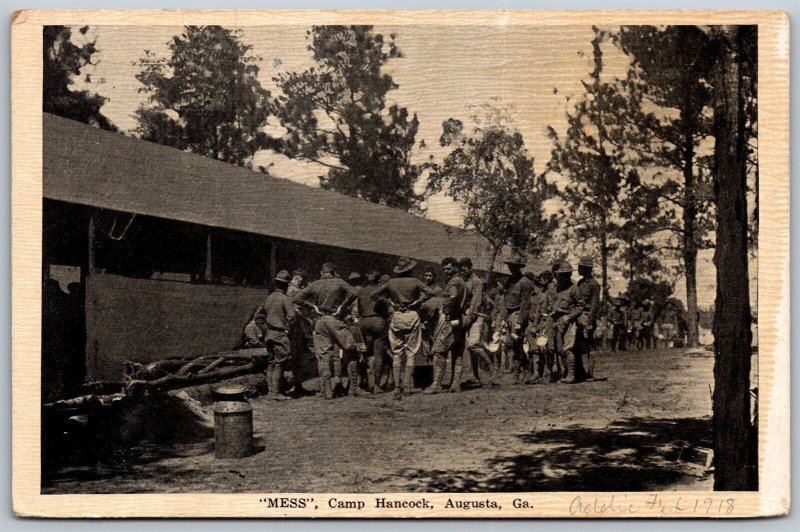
(151, 252)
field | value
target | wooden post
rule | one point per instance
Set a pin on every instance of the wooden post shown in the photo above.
(208, 271)
(273, 261)
(90, 253)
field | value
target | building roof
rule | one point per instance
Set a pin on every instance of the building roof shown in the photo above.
(85, 165)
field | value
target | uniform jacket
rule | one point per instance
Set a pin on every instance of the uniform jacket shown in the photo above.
(279, 309)
(328, 294)
(402, 291)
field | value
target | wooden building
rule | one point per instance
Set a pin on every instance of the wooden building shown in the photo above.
(169, 252)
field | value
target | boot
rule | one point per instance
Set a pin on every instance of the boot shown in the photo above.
(352, 373)
(517, 372)
(436, 385)
(408, 378)
(590, 366)
(275, 384)
(570, 369)
(455, 384)
(326, 387)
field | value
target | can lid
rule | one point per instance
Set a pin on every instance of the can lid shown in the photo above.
(230, 393)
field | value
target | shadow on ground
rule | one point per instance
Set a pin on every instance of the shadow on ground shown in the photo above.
(636, 454)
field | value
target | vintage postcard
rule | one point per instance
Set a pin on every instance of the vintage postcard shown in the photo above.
(505, 264)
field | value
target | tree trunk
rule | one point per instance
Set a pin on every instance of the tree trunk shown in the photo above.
(604, 266)
(689, 217)
(732, 338)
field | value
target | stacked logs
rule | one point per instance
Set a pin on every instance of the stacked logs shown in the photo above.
(161, 376)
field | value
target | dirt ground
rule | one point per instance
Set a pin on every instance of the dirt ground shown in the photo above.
(623, 433)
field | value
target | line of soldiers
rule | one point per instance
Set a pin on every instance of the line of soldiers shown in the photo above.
(406, 317)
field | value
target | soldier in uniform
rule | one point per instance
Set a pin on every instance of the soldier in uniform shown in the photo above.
(406, 294)
(449, 335)
(330, 298)
(301, 329)
(279, 312)
(535, 330)
(253, 332)
(589, 296)
(618, 322)
(474, 319)
(517, 301)
(566, 308)
(373, 319)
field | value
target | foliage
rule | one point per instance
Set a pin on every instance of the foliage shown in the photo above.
(63, 61)
(335, 114)
(205, 97)
(659, 292)
(591, 157)
(491, 173)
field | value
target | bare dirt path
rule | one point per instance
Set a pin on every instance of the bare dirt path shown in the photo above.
(619, 434)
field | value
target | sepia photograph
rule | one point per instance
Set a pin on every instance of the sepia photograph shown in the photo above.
(390, 260)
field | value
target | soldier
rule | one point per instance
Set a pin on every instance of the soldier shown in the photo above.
(373, 319)
(635, 322)
(279, 312)
(302, 327)
(589, 297)
(474, 319)
(330, 297)
(535, 331)
(449, 334)
(618, 322)
(405, 293)
(429, 278)
(498, 324)
(517, 301)
(253, 333)
(566, 308)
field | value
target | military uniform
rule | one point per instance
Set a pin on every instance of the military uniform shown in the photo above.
(589, 296)
(566, 307)
(535, 329)
(330, 295)
(517, 301)
(405, 334)
(474, 321)
(618, 322)
(449, 338)
(279, 312)
(373, 321)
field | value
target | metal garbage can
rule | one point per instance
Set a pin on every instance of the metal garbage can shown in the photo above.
(233, 423)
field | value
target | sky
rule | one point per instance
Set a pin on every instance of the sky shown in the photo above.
(445, 72)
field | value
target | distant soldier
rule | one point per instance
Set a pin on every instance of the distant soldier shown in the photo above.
(449, 335)
(566, 309)
(517, 301)
(618, 324)
(330, 297)
(373, 319)
(668, 325)
(635, 323)
(589, 297)
(279, 312)
(474, 319)
(406, 294)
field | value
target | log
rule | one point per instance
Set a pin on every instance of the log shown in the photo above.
(171, 382)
